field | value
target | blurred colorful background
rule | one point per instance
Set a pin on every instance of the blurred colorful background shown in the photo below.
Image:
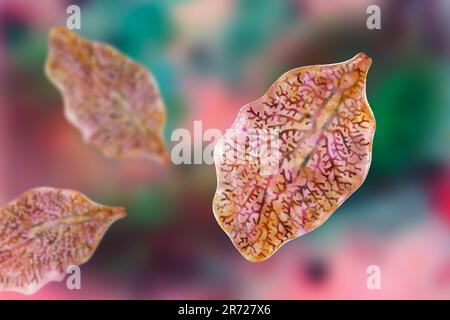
(210, 57)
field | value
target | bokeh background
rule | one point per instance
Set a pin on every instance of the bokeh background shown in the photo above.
(210, 57)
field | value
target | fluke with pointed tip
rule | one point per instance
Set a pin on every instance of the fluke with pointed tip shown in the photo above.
(114, 101)
(46, 230)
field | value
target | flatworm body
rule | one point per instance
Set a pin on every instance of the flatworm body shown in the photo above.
(114, 101)
(46, 230)
(320, 130)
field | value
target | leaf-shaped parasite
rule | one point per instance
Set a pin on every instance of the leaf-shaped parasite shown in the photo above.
(46, 230)
(294, 156)
(114, 101)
